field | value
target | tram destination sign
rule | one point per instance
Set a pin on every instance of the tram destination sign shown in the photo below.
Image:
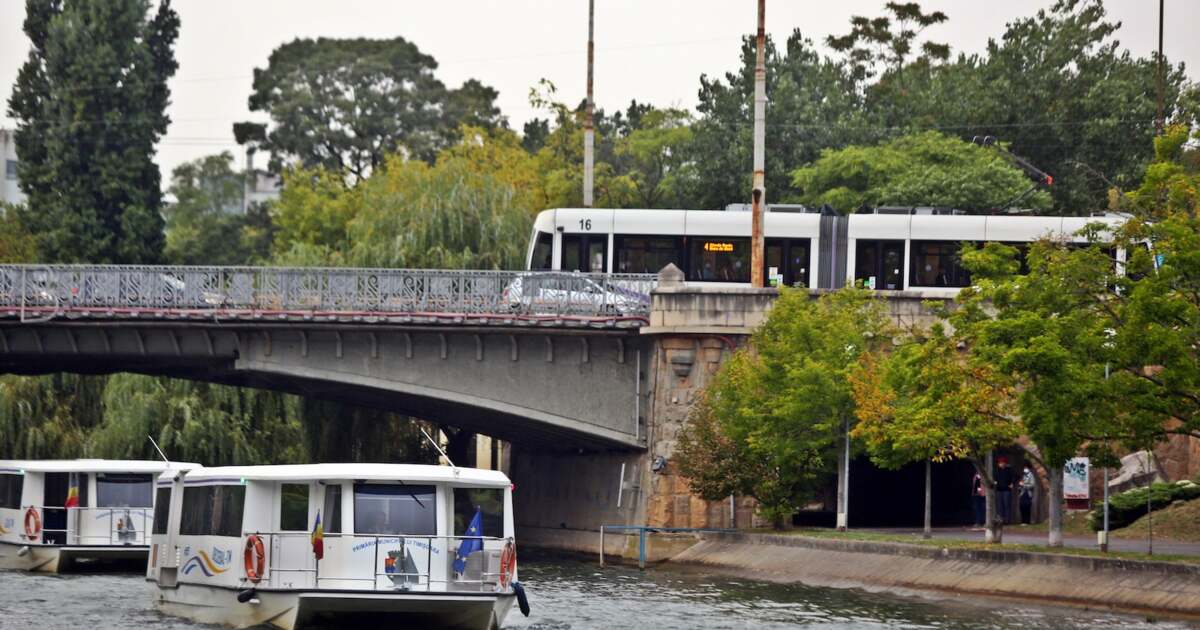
(711, 246)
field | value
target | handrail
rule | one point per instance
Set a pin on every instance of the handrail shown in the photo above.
(102, 290)
(400, 580)
(117, 532)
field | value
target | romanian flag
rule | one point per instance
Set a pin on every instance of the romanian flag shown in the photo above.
(72, 492)
(318, 538)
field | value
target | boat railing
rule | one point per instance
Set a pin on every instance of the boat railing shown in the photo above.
(400, 562)
(87, 526)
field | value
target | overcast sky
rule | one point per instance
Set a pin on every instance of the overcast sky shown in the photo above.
(651, 50)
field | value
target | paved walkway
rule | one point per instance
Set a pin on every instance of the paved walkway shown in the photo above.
(1015, 534)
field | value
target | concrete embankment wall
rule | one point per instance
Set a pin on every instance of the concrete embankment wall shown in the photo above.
(1156, 588)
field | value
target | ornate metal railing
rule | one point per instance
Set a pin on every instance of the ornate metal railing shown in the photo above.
(48, 291)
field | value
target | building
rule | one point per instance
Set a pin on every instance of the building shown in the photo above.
(10, 192)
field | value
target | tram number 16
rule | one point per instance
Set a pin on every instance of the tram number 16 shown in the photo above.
(585, 224)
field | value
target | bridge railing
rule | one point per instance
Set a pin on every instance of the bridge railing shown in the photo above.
(44, 290)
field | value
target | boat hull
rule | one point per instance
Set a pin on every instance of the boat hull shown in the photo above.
(295, 609)
(65, 558)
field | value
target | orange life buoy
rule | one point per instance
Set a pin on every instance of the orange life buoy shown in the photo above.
(33, 524)
(508, 564)
(254, 557)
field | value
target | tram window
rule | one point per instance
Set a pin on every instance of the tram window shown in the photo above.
(212, 511)
(489, 501)
(293, 507)
(10, 490)
(584, 252)
(543, 252)
(123, 490)
(936, 264)
(398, 509)
(647, 254)
(162, 510)
(717, 259)
(331, 516)
(879, 264)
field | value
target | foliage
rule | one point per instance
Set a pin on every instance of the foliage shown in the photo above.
(888, 39)
(347, 104)
(772, 418)
(49, 416)
(920, 169)
(1172, 182)
(814, 101)
(87, 154)
(1129, 506)
(16, 241)
(206, 225)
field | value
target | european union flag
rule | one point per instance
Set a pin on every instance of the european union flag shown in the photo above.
(469, 545)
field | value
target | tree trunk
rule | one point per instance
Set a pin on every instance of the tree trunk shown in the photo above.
(1055, 504)
(928, 499)
(992, 533)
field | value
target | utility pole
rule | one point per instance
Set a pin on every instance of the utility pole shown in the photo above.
(589, 126)
(1160, 122)
(759, 192)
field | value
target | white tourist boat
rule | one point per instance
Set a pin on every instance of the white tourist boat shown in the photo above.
(56, 514)
(289, 546)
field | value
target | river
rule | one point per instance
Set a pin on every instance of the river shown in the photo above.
(570, 593)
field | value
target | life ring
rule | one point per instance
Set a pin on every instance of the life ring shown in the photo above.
(508, 564)
(33, 524)
(254, 557)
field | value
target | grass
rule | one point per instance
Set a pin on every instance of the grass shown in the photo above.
(1075, 523)
(1180, 522)
(940, 543)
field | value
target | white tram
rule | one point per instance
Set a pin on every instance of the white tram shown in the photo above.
(896, 249)
(55, 514)
(411, 545)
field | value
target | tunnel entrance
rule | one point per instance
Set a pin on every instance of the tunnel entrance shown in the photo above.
(896, 498)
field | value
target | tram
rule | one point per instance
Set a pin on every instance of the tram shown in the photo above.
(889, 249)
(336, 544)
(58, 514)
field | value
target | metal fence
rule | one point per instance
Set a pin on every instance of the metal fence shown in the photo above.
(41, 291)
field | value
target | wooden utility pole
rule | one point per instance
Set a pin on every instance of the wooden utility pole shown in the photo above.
(589, 127)
(759, 191)
(1160, 122)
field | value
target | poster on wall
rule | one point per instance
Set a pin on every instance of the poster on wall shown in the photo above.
(1075, 478)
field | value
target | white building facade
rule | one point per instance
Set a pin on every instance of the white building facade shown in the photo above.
(10, 192)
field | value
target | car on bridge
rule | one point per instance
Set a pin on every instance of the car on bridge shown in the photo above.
(574, 293)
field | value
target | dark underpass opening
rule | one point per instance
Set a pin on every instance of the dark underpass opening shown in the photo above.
(896, 498)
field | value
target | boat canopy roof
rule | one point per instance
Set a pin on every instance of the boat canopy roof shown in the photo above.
(93, 465)
(408, 473)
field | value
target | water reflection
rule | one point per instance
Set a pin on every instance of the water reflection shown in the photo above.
(573, 593)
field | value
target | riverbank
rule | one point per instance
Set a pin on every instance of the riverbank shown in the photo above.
(1148, 587)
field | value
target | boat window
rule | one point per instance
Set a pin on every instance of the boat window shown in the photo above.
(123, 490)
(293, 507)
(213, 511)
(331, 516)
(543, 252)
(936, 264)
(394, 509)
(647, 254)
(490, 504)
(10, 490)
(162, 510)
(719, 259)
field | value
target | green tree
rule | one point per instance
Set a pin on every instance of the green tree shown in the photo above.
(888, 40)
(814, 103)
(921, 169)
(90, 104)
(16, 242)
(206, 225)
(347, 104)
(779, 408)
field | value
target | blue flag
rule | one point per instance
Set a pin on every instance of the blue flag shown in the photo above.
(469, 545)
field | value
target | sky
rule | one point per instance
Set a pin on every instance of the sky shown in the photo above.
(650, 50)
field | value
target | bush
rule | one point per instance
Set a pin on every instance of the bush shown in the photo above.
(1129, 506)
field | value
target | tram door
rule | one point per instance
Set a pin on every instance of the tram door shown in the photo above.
(880, 264)
(584, 252)
(790, 259)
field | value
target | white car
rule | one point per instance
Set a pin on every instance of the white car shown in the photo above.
(573, 294)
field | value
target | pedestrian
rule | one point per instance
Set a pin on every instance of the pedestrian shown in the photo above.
(978, 500)
(1004, 486)
(1026, 499)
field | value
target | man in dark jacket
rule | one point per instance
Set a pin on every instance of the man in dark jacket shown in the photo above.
(1004, 486)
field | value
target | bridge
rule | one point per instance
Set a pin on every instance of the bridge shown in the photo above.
(551, 359)
(589, 377)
